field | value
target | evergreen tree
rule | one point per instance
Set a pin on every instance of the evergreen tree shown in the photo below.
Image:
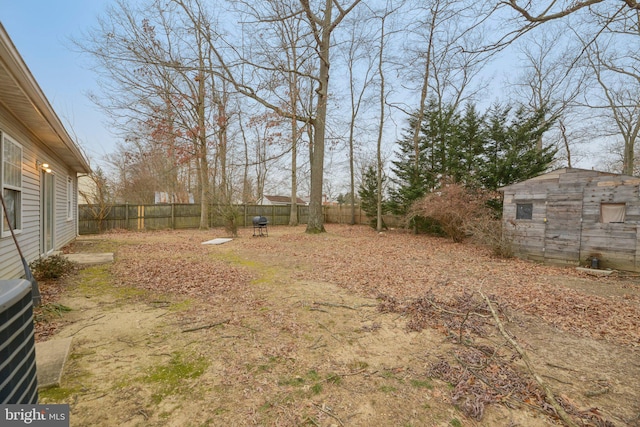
(416, 173)
(476, 150)
(368, 193)
(471, 136)
(511, 151)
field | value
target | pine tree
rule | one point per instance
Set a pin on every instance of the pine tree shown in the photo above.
(415, 174)
(368, 193)
(511, 151)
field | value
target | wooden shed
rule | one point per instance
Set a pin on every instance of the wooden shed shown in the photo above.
(571, 216)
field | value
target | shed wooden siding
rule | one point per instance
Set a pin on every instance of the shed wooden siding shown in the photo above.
(566, 228)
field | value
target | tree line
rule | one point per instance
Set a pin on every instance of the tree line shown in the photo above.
(224, 101)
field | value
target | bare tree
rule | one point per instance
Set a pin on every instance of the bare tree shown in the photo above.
(95, 190)
(609, 37)
(151, 62)
(382, 46)
(444, 45)
(360, 67)
(539, 12)
(552, 84)
(241, 71)
(620, 96)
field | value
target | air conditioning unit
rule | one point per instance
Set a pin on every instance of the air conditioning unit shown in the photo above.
(18, 380)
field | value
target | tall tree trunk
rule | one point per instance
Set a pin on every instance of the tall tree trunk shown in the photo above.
(315, 223)
(293, 214)
(424, 90)
(380, 130)
(202, 154)
(293, 101)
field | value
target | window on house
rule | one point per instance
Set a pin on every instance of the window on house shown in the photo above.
(612, 212)
(69, 198)
(524, 210)
(11, 184)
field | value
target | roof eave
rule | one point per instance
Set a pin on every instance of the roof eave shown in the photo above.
(43, 122)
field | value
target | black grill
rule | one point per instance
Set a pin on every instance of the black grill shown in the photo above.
(260, 226)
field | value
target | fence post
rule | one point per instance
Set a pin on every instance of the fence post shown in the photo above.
(126, 215)
(173, 217)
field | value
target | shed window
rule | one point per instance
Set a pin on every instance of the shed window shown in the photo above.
(612, 212)
(11, 184)
(524, 210)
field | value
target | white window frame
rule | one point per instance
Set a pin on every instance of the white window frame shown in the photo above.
(69, 198)
(4, 140)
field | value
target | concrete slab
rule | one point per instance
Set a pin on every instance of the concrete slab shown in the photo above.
(50, 359)
(594, 271)
(90, 258)
(218, 241)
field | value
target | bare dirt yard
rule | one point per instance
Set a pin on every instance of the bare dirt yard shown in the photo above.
(346, 328)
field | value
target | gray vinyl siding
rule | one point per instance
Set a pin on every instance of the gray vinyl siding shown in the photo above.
(30, 238)
(65, 230)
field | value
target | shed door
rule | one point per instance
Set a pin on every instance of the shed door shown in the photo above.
(563, 228)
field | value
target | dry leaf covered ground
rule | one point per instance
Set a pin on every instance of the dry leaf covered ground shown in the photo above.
(346, 328)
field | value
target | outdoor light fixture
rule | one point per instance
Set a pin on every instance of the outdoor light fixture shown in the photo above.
(45, 166)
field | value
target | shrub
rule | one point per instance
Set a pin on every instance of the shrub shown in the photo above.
(52, 267)
(456, 209)
(489, 232)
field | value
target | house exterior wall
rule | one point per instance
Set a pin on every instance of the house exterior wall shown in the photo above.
(30, 236)
(565, 228)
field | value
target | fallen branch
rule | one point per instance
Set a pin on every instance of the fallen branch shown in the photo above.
(594, 393)
(212, 325)
(525, 358)
(331, 304)
(335, 417)
(330, 333)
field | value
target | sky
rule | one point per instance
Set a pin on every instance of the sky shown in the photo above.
(41, 31)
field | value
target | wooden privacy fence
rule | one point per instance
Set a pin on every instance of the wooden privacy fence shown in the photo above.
(94, 219)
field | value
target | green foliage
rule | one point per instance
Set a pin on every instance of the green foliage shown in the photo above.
(368, 193)
(171, 378)
(49, 310)
(52, 267)
(477, 150)
(510, 148)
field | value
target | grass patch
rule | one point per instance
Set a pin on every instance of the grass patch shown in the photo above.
(316, 388)
(358, 365)
(50, 310)
(455, 422)
(263, 367)
(334, 379)
(98, 281)
(170, 378)
(387, 389)
(57, 394)
(422, 384)
(311, 376)
(180, 306)
(295, 381)
(266, 273)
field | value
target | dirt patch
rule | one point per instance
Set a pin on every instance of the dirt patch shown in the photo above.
(287, 330)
